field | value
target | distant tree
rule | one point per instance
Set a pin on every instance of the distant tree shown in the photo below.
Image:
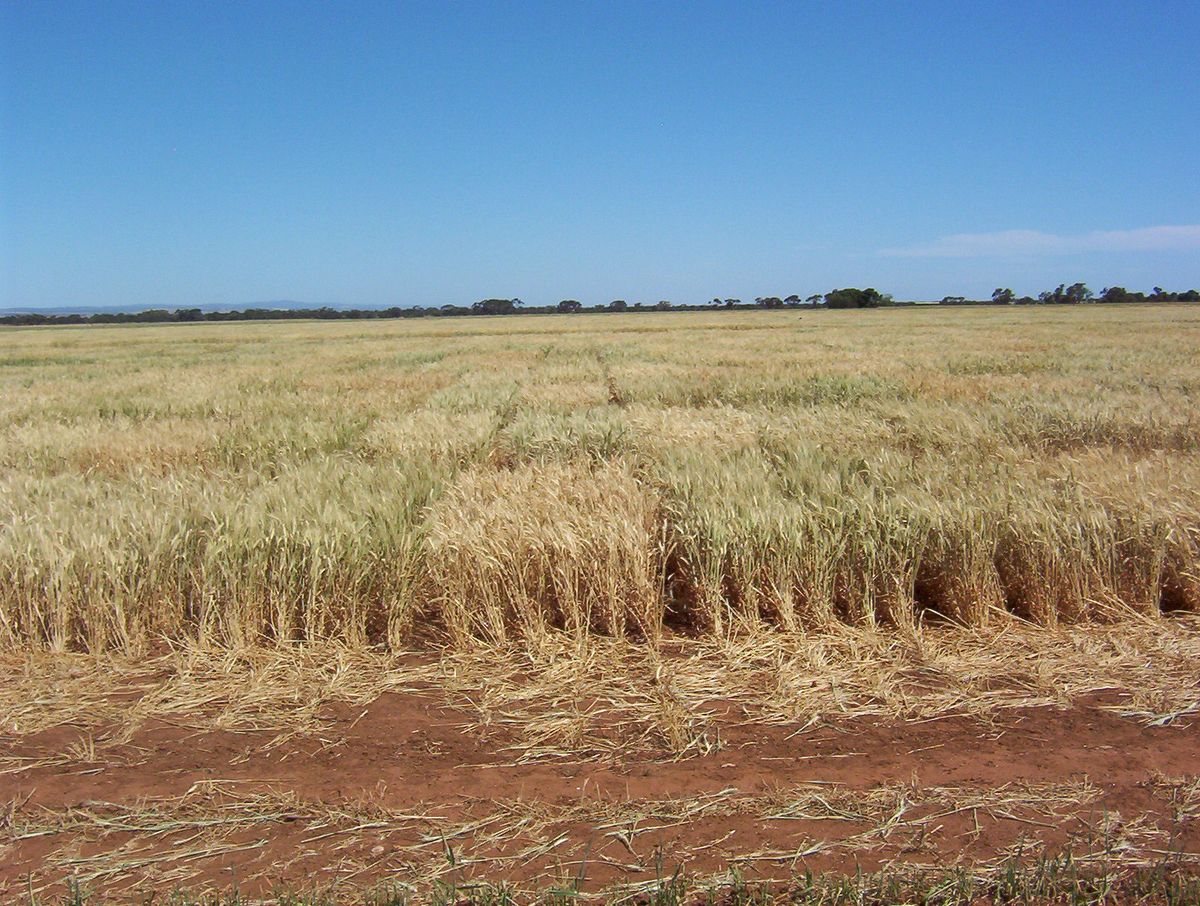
(1066, 295)
(189, 314)
(1162, 295)
(853, 298)
(618, 305)
(953, 300)
(730, 303)
(569, 306)
(1117, 294)
(792, 300)
(496, 306)
(1056, 296)
(769, 302)
(814, 299)
(662, 305)
(154, 315)
(842, 298)
(715, 302)
(1076, 293)
(1003, 296)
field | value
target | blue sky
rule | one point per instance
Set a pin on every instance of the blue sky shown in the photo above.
(168, 153)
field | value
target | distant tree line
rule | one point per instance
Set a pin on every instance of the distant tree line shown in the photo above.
(1076, 294)
(850, 297)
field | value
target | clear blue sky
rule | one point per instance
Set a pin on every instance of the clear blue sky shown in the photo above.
(167, 153)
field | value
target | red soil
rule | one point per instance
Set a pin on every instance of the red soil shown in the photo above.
(407, 754)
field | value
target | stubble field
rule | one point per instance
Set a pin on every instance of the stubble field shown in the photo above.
(601, 603)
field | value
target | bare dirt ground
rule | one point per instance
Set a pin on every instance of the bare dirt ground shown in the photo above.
(409, 785)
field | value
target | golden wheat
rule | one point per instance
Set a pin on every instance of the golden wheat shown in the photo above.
(488, 479)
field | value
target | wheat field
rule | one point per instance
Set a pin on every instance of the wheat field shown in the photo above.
(480, 481)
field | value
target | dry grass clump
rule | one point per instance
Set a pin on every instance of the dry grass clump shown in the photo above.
(713, 473)
(285, 691)
(612, 698)
(557, 697)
